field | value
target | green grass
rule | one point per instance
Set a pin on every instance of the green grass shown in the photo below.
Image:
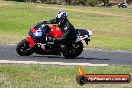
(112, 27)
(39, 76)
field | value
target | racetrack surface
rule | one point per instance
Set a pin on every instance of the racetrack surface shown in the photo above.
(8, 52)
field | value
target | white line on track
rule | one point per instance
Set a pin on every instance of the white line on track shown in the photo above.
(49, 63)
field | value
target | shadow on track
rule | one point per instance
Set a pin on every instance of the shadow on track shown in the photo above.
(61, 57)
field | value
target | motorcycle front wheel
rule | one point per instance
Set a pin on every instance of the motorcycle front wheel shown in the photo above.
(75, 51)
(23, 48)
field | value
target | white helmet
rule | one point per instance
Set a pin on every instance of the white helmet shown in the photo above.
(61, 14)
(61, 17)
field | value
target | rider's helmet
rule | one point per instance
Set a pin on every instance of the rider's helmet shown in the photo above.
(61, 17)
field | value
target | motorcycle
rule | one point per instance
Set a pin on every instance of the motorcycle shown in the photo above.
(38, 42)
(122, 5)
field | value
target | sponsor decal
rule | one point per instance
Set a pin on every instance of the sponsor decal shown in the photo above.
(83, 78)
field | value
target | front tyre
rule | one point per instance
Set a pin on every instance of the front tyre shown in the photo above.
(75, 51)
(23, 48)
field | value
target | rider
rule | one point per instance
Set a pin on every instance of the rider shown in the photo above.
(68, 30)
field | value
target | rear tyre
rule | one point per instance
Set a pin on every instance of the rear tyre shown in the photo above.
(75, 51)
(23, 48)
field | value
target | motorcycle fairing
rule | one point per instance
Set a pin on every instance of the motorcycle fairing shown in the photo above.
(83, 35)
(83, 32)
(38, 34)
(31, 41)
(33, 30)
(55, 32)
(38, 30)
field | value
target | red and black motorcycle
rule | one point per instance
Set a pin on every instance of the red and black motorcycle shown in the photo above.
(38, 42)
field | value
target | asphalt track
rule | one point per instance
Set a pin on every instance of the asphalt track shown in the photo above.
(8, 52)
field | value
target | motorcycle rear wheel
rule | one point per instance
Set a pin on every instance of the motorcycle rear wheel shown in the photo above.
(23, 48)
(75, 51)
